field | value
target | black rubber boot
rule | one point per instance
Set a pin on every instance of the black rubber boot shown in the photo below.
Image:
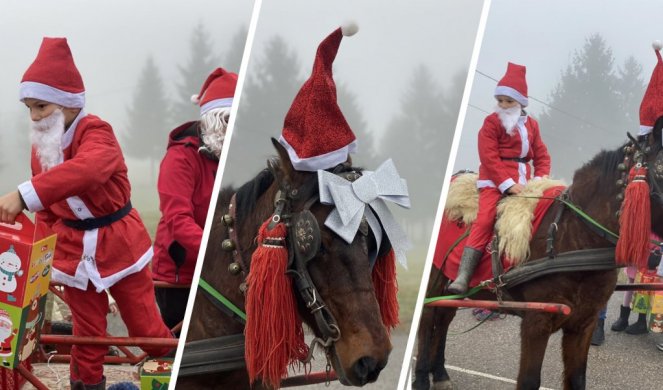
(622, 321)
(468, 263)
(598, 337)
(639, 327)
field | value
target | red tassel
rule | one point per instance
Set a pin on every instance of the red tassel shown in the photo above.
(635, 221)
(274, 334)
(386, 287)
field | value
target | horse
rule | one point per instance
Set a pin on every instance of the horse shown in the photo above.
(340, 272)
(596, 189)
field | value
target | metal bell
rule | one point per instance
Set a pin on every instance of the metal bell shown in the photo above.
(243, 287)
(228, 245)
(620, 183)
(227, 220)
(234, 268)
(620, 197)
(621, 166)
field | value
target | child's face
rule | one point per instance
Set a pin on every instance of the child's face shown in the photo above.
(505, 102)
(39, 109)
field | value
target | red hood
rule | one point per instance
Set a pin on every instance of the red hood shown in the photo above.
(184, 134)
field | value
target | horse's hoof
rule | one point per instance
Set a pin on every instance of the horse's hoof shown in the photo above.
(443, 385)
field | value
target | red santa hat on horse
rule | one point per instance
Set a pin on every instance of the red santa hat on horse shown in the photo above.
(215, 100)
(635, 217)
(316, 137)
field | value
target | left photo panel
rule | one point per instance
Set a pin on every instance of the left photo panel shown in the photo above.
(112, 120)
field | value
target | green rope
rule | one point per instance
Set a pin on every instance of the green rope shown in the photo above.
(472, 291)
(212, 291)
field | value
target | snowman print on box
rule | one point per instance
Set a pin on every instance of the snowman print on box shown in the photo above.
(10, 269)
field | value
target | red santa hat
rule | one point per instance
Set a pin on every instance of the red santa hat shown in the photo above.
(217, 91)
(53, 76)
(315, 132)
(513, 84)
(651, 107)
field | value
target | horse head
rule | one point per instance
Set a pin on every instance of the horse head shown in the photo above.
(331, 278)
(653, 156)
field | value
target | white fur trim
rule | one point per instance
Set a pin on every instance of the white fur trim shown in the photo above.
(506, 184)
(644, 130)
(30, 196)
(195, 99)
(512, 93)
(349, 28)
(323, 161)
(31, 89)
(144, 260)
(79, 280)
(68, 135)
(657, 45)
(485, 183)
(217, 103)
(79, 208)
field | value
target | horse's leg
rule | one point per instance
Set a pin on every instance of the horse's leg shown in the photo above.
(443, 318)
(424, 337)
(575, 348)
(535, 330)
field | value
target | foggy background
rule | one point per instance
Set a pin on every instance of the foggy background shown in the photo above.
(587, 68)
(399, 81)
(140, 61)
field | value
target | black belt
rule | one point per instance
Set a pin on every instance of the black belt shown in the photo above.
(519, 159)
(96, 223)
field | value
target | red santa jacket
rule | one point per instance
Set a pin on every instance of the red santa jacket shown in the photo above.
(186, 179)
(498, 151)
(90, 182)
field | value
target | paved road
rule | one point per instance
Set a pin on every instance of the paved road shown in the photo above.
(487, 358)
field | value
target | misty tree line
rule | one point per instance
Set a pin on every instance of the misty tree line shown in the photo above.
(592, 106)
(153, 114)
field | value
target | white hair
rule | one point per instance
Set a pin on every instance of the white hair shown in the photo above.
(213, 125)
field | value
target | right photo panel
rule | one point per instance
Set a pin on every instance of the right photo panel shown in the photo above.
(546, 271)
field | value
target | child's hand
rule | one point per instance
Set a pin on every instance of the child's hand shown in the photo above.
(515, 189)
(113, 309)
(10, 206)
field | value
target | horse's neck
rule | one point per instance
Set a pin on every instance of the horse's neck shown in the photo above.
(599, 200)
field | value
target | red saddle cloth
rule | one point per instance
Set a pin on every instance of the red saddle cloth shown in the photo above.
(450, 231)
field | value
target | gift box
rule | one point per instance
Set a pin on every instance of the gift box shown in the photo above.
(26, 256)
(155, 374)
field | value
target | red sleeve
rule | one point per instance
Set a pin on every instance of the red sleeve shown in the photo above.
(95, 161)
(176, 186)
(541, 157)
(489, 153)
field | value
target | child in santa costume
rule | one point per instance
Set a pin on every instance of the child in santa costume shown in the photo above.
(80, 189)
(508, 141)
(186, 178)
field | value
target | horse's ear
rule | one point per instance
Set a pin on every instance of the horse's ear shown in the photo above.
(656, 132)
(286, 165)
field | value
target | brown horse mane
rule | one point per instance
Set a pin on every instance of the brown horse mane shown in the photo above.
(604, 164)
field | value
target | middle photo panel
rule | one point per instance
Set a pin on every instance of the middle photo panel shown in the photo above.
(329, 193)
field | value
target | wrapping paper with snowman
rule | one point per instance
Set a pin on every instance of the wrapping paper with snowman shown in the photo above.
(26, 256)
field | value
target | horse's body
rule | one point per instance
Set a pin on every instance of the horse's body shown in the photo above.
(595, 191)
(340, 272)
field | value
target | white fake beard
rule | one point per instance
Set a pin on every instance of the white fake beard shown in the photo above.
(213, 127)
(46, 137)
(509, 117)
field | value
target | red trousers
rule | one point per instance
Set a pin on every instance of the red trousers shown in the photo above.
(482, 228)
(134, 296)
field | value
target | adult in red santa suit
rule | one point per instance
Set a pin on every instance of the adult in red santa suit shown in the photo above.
(186, 178)
(508, 141)
(79, 187)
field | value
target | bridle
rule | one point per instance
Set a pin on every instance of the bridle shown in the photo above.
(304, 244)
(636, 154)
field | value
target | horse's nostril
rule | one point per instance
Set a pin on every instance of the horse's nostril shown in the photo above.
(367, 369)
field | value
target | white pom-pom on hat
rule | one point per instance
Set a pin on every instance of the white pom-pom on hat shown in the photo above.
(349, 28)
(657, 45)
(195, 99)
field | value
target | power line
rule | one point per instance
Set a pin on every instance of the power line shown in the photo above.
(571, 115)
